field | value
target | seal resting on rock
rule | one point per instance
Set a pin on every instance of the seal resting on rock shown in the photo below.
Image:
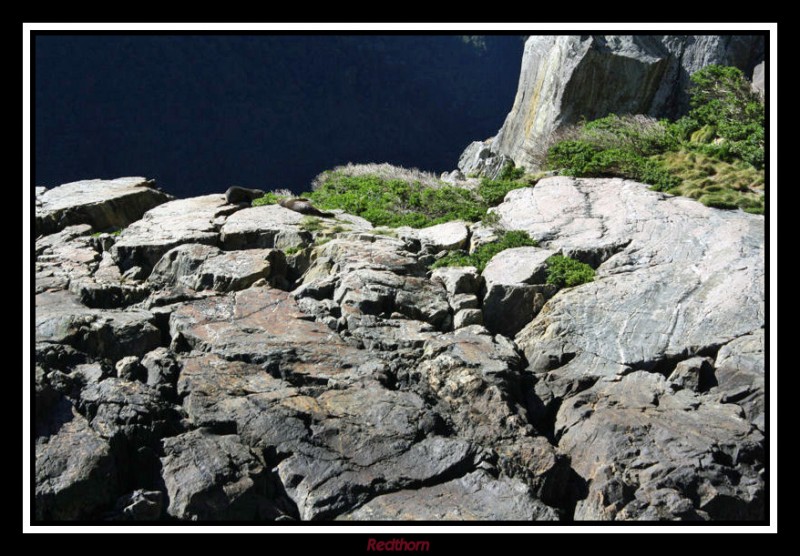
(236, 195)
(304, 206)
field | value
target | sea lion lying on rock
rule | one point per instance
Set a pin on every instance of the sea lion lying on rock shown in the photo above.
(236, 195)
(304, 206)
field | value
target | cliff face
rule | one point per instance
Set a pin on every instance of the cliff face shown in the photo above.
(214, 362)
(567, 77)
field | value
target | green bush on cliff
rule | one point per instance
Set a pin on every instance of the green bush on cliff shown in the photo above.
(583, 158)
(396, 202)
(715, 154)
(566, 272)
(392, 196)
(729, 112)
(483, 254)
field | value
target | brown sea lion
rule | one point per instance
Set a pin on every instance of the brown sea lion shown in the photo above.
(236, 195)
(304, 206)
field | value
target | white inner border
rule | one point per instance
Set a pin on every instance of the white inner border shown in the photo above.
(423, 532)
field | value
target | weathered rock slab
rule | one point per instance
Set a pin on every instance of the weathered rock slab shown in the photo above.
(194, 220)
(476, 496)
(211, 476)
(102, 204)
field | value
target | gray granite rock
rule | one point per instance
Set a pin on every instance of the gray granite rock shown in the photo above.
(75, 472)
(652, 300)
(102, 204)
(442, 237)
(458, 280)
(649, 453)
(479, 160)
(112, 334)
(477, 496)
(194, 220)
(199, 267)
(210, 476)
(568, 77)
(467, 317)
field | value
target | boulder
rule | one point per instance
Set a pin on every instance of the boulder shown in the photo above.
(740, 375)
(457, 279)
(442, 237)
(515, 288)
(258, 227)
(519, 265)
(199, 267)
(111, 334)
(654, 300)
(479, 160)
(380, 292)
(102, 204)
(75, 472)
(194, 220)
(210, 476)
(477, 378)
(467, 317)
(264, 326)
(650, 454)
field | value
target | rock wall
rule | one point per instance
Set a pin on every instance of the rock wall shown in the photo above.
(567, 77)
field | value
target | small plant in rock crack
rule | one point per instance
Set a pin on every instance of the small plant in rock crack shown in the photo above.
(566, 272)
(483, 254)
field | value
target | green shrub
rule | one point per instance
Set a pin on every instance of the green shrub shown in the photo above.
(268, 199)
(483, 254)
(572, 157)
(494, 191)
(511, 172)
(566, 272)
(584, 159)
(639, 134)
(725, 125)
(291, 250)
(395, 202)
(721, 98)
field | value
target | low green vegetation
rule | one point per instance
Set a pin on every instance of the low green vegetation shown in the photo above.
(714, 182)
(715, 154)
(728, 114)
(566, 272)
(269, 198)
(311, 224)
(483, 254)
(408, 197)
(492, 192)
(395, 202)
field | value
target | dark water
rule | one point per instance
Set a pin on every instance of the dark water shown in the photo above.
(201, 113)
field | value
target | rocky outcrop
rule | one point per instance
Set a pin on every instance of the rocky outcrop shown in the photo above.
(568, 77)
(196, 220)
(213, 384)
(644, 355)
(102, 204)
(515, 288)
(478, 159)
